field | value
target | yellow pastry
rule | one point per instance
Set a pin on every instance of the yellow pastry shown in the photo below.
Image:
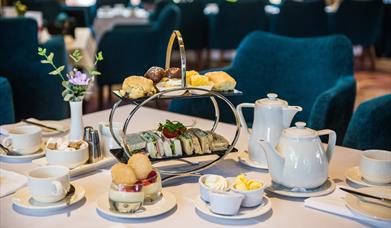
(141, 165)
(137, 86)
(189, 75)
(221, 80)
(123, 174)
(199, 80)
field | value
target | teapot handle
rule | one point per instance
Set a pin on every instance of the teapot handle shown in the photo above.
(242, 119)
(331, 142)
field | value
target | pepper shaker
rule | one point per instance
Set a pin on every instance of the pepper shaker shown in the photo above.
(91, 136)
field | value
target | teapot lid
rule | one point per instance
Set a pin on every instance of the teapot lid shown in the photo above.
(272, 100)
(300, 131)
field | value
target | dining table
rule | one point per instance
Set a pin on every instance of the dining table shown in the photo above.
(285, 212)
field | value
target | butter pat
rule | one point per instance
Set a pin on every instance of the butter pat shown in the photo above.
(244, 184)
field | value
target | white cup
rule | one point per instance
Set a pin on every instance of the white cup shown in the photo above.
(375, 166)
(24, 139)
(49, 184)
(107, 140)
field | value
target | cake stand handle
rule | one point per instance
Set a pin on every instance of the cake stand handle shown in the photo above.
(176, 34)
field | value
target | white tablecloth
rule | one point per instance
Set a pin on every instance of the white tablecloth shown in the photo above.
(286, 212)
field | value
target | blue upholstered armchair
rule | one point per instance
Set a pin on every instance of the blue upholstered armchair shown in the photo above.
(7, 114)
(315, 73)
(34, 90)
(369, 127)
(131, 50)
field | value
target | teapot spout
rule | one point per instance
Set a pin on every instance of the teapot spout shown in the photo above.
(288, 113)
(275, 161)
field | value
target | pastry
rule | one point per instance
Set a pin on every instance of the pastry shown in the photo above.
(173, 72)
(155, 74)
(123, 174)
(199, 80)
(189, 75)
(221, 81)
(141, 165)
(136, 86)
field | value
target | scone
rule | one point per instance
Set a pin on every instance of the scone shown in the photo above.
(221, 81)
(137, 86)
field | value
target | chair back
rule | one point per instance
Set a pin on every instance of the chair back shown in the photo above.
(6, 102)
(234, 21)
(129, 50)
(300, 19)
(49, 8)
(360, 21)
(369, 127)
(297, 69)
(33, 88)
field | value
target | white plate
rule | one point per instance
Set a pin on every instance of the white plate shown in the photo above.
(161, 88)
(165, 204)
(324, 189)
(368, 207)
(45, 132)
(85, 168)
(245, 160)
(354, 175)
(244, 213)
(23, 158)
(23, 199)
(200, 92)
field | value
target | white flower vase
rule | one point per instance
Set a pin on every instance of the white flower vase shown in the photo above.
(77, 126)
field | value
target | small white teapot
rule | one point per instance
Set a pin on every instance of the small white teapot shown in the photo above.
(299, 159)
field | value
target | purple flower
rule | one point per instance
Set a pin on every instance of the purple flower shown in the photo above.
(79, 79)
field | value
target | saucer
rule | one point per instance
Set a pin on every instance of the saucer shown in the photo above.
(370, 208)
(324, 189)
(244, 213)
(354, 175)
(23, 199)
(163, 205)
(45, 131)
(245, 160)
(14, 157)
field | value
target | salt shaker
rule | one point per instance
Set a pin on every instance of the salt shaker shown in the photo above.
(91, 136)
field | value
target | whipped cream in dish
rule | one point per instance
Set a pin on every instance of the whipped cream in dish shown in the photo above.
(216, 182)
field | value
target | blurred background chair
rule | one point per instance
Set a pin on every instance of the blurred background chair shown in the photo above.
(314, 73)
(361, 22)
(369, 127)
(233, 22)
(132, 50)
(6, 102)
(34, 90)
(51, 12)
(300, 19)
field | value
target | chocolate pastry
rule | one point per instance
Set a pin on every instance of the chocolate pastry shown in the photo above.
(155, 74)
(173, 72)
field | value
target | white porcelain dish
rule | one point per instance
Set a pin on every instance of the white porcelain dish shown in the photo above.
(165, 204)
(22, 198)
(160, 86)
(326, 188)
(69, 159)
(45, 132)
(244, 159)
(370, 208)
(244, 213)
(354, 175)
(204, 189)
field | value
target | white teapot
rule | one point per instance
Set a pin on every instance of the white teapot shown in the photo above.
(299, 159)
(271, 116)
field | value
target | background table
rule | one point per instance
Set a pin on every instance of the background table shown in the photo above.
(286, 212)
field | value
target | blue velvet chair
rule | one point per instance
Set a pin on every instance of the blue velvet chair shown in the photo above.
(50, 9)
(369, 127)
(234, 21)
(34, 90)
(361, 22)
(300, 19)
(7, 114)
(315, 73)
(131, 50)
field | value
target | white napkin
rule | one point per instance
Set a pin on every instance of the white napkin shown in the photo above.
(335, 203)
(10, 182)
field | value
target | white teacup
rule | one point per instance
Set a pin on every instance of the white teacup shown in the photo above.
(375, 166)
(49, 184)
(24, 139)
